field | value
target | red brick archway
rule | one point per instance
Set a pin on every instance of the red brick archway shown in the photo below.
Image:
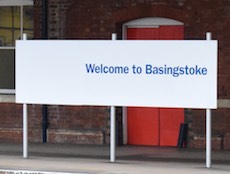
(148, 10)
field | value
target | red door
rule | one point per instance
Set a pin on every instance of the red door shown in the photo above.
(169, 121)
(154, 126)
(160, 33)
(143, 126)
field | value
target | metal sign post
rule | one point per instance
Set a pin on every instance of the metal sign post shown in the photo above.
(25, 131)
(25, 123)
(208, 139)
(112, 134)
(208, 126)
(113, 125)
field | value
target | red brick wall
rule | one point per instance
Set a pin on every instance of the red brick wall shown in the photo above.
(97, 19)
(56, 17)
(220, 128)
(11, 123)
(88, 125)
(66, 124)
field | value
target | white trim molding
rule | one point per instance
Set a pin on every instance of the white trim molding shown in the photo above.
(152, 21)
(5, 98)
(16, 2)
(223, 103)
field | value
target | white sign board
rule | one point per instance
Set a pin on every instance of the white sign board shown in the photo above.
(181, 74)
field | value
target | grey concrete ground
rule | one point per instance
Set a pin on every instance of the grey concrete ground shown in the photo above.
(56, 158)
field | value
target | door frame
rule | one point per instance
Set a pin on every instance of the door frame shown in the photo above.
(147, 22)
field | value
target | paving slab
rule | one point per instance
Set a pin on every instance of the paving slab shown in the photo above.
(86, 159)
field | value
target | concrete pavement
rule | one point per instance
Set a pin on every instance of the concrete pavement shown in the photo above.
(57, 158)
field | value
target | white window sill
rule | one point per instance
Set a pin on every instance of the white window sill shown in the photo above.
(7, 96)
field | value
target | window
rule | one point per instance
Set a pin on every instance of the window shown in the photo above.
(16, 18)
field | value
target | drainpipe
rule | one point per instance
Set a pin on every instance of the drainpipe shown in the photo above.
(44, 123)
(44, 36)
(45, 19)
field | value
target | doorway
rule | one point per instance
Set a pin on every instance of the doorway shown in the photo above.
(153, 126)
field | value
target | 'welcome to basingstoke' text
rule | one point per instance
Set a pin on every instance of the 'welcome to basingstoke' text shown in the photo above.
(149, 69)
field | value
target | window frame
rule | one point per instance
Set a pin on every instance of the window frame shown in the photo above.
(21, 4)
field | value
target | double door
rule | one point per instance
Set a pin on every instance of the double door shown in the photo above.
(154, 126)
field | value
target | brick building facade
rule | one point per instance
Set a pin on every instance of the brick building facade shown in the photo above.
(78, 19)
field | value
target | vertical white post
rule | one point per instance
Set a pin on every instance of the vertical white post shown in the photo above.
(113, 126)
(24, 36)
(25, 121)
(25, 131)
(208, 139)
(114, 36)
(208, 127)
(112, 134)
